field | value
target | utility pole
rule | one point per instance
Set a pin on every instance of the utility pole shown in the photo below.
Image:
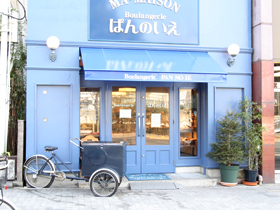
(4, 74)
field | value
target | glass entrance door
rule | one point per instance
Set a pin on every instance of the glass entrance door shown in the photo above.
(156, 140)
(141, 117)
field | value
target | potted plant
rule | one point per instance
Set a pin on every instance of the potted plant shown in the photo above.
(228, 150)
(251, 116)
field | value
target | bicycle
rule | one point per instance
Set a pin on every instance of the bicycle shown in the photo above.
(4, 204)
(40, 171)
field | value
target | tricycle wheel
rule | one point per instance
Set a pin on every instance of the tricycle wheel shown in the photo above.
(104, 184)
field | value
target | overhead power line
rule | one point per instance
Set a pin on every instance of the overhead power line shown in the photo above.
(24, 15)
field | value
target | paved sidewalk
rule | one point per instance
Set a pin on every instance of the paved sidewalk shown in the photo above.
(218, 197)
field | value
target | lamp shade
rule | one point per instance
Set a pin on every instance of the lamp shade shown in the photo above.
(53, 42)
(233, 49)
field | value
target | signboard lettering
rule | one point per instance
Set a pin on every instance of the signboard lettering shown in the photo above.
(168, 4)
(155, 77)
(160, 77)
(168, 21)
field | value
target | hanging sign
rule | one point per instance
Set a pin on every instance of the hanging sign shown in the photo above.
(154, 21)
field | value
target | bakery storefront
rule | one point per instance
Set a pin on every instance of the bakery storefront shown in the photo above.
(144, 74)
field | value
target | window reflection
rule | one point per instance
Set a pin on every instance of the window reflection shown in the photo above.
(157, 116)
(276, 103)
(89, 114)
(124, 115)
(188, 122)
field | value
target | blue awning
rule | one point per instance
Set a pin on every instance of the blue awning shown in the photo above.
(150, 65)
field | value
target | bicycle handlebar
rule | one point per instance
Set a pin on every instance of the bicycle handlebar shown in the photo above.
(71, 140)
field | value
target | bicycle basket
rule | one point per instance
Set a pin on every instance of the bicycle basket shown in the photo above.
(3, 170)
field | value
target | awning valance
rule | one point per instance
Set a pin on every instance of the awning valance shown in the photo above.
(150, 65)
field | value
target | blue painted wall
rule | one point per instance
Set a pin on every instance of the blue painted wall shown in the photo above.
(221, 23)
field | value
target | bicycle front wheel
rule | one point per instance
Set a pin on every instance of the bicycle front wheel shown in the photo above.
(5, 205)
(104, 184)
(38, 172)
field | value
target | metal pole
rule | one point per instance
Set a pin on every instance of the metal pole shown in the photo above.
(4, 7)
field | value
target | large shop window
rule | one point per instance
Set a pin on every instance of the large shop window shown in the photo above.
(89, 114)
(124, 115)
(188, 122)
(276, 103)
(277, 107)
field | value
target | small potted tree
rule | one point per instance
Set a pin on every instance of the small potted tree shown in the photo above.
(251, 116)
(228, 150)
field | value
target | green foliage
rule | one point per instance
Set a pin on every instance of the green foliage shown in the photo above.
(251, 116)
(239, 136)
(17, 90)
(7, 153)
(18, 80)
(229, 147)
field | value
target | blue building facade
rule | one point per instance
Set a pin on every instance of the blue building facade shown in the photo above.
(152, 73)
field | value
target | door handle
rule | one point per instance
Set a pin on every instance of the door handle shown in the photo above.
(143, 134)
(139, 126)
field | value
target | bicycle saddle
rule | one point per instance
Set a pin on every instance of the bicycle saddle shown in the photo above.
(50, 148)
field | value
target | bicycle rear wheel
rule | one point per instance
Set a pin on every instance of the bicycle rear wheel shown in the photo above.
(6, 205)
(104, 184)
(38, 172)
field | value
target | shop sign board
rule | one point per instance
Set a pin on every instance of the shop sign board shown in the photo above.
(144, 21)
(154, 77)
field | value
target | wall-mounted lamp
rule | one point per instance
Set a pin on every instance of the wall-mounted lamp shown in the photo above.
(53, 43)
(233, 50)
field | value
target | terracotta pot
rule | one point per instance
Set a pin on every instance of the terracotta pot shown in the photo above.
(249, 183)
(228, 184)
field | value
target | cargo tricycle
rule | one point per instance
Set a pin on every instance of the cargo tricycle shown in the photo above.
(103, 166)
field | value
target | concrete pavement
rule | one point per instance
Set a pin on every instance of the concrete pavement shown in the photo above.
(69, 196)
(76, 195)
